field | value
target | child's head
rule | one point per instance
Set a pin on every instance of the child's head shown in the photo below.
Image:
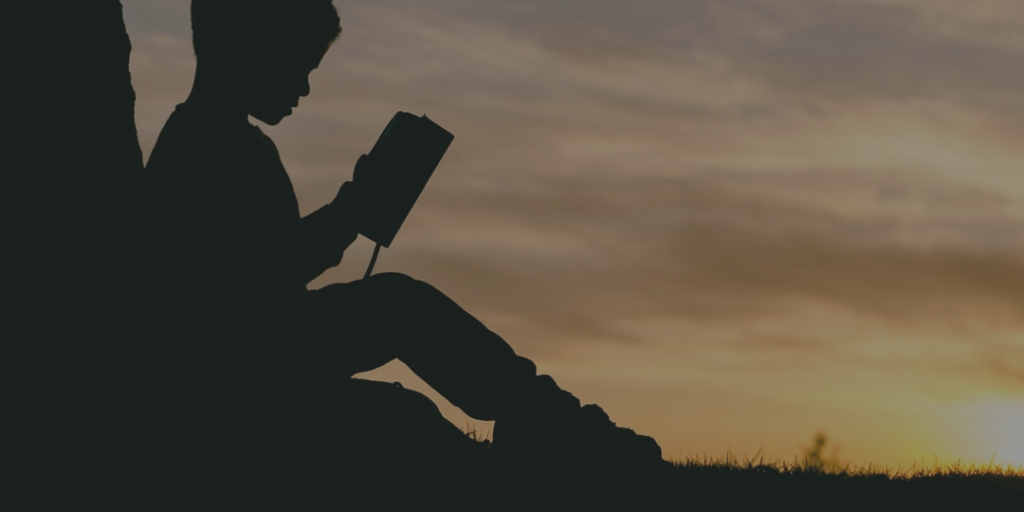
(265, 48)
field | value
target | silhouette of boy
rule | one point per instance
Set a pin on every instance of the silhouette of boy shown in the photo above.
(239, 256)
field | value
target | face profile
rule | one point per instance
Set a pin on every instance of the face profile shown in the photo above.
(254, 57)
(277, 84)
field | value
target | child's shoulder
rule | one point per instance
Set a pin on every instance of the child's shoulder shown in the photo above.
(196, 141)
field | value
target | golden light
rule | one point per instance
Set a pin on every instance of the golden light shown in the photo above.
(996, 431)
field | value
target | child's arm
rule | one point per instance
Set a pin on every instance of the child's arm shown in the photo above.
(326, 233)
(258, 251)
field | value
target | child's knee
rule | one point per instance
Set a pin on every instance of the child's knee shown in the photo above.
(397, 285)
(390, 280)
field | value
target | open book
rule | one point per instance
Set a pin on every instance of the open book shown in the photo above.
(404, 158)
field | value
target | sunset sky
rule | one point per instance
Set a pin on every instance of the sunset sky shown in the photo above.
(731, 223)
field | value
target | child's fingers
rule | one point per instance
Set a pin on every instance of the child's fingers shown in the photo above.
(362, 167)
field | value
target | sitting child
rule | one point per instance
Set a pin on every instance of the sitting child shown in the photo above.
(240, 255)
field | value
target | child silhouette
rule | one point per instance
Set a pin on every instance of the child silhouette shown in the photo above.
(238, 256)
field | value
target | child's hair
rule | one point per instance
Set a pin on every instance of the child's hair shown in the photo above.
(230, 28)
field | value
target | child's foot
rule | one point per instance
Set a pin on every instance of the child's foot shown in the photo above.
(557, 427)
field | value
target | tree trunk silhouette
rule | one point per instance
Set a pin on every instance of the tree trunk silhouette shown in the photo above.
(70, 162)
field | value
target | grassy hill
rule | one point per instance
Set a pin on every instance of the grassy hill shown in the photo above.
(810, 484)
(696, 484)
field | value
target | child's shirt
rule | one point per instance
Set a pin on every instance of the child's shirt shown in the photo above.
(232, 242)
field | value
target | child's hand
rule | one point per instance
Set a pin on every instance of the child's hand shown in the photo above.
(349, 195)
(364, 167)
(349, 200)
(347, 203)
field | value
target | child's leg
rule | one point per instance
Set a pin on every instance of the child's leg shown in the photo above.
(392, 316)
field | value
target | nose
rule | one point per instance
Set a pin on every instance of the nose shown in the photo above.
(304, 87)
